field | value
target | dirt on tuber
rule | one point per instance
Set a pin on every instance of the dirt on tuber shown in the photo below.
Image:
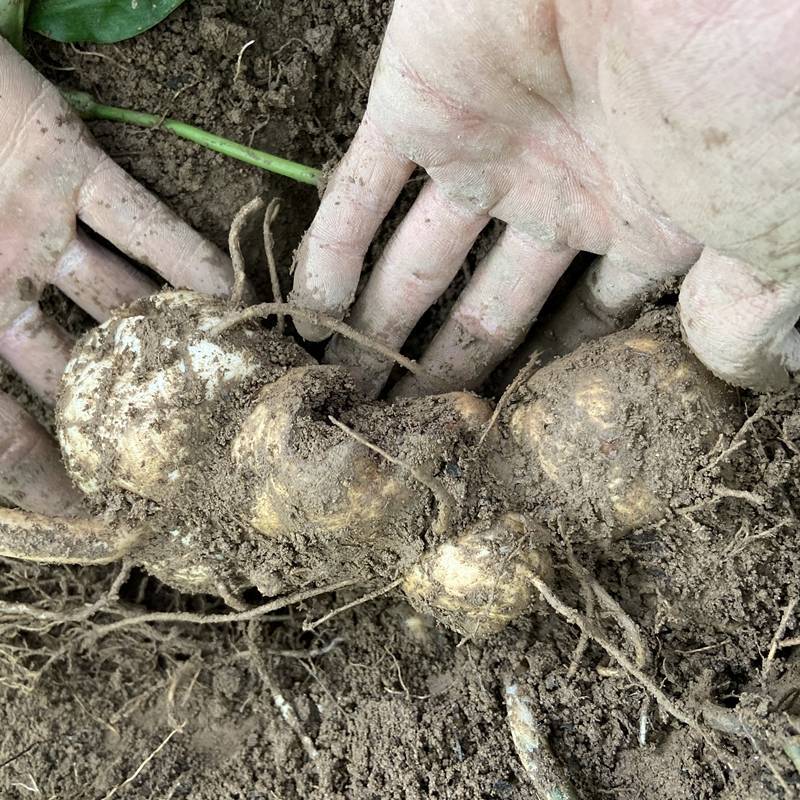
(221, 461)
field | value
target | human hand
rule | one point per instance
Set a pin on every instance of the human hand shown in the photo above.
(660, 136)
(53, 174)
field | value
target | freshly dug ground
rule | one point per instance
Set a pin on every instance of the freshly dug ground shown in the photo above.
(395, 707)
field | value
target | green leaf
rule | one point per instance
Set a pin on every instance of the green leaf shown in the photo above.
(12, 21)
(99, 21)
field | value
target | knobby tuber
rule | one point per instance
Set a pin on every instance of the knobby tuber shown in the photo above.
(212, 459)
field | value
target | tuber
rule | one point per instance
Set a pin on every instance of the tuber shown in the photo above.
(222, 457)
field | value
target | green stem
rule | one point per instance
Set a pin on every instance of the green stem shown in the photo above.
(89, 108)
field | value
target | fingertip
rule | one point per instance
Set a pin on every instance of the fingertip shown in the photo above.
(311, 332)
(740, 324)
(307, 296)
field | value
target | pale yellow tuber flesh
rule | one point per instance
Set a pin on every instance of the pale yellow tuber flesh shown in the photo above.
(227, 461)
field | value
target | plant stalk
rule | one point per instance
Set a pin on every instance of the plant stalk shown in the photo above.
(88, 108)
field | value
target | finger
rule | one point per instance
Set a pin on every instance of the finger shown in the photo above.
(418, 264)
(740, 324)
(607, 298)
(32, 475)
(97, 279)
(493, 314)
(141, 226)
(358, 196)
(38, 350)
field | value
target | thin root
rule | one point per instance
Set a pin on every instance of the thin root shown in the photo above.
(132, 777)
(84, 612)
(310, 626)
(216, 619)
(239, 59)
(444, 500)
(520, 378)
(583, 641)
(574, 617)
(235, 246)
(265, 310)
(281, 703)
(738, 440)
(588, 581)
(269, 248)
(778, 636)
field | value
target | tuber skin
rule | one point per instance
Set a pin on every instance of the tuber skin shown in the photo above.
(614, 431)
(212, 459)
(476, 584)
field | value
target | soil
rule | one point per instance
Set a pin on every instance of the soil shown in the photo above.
(393, 706)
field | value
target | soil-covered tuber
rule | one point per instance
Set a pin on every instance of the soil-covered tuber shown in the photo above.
(615, 431)
(224, 457)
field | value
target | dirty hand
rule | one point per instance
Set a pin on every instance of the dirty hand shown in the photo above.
(662, 137)
(53, 174)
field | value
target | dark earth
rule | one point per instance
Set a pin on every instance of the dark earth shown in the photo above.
(394, 706)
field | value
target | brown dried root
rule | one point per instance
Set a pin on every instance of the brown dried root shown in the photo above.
(215, 619)
(266, 310)
(47, 629)
(530, 742)
(53, 617)
(235, 247)
(64, 540)
(583, 641)
(574, 617)
(592, 587)
(269, 248)
(629, 627)
(738, 441)
(778, 636)
(444, 499)
(278, 308)
(519, 379)
(310, 626)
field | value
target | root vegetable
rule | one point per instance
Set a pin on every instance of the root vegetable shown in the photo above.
(477, 583)
(225, 460)
(616, 430)
(140, 398)
(309, 474)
